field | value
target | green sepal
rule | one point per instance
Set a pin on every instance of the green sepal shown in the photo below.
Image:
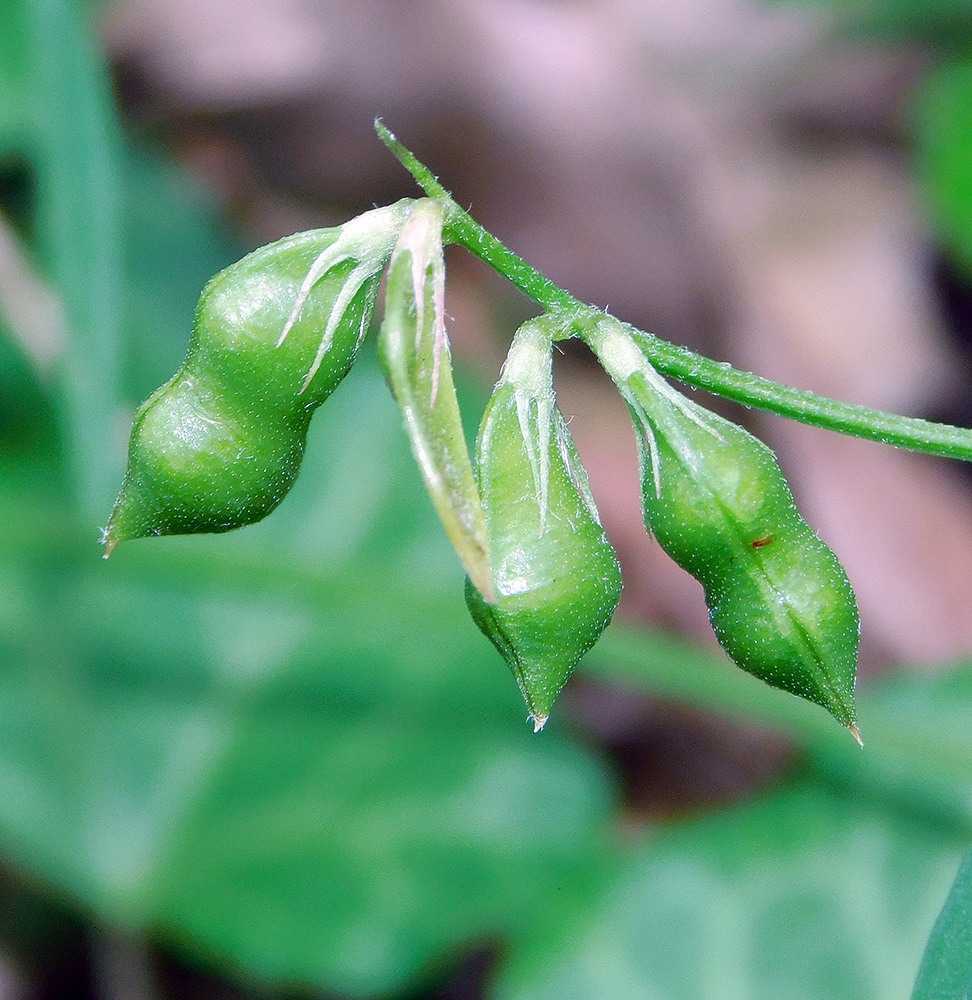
(414, 351)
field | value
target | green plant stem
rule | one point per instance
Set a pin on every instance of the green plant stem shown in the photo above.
(912, 433)
(679, 362)
(460, 227)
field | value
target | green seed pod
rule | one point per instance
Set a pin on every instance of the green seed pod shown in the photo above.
(220, 444)
(714, 497)
(199, 461)
(555, 575)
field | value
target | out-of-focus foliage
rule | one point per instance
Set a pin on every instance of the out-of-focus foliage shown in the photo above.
(796, 895)
(268, 751)
(945, 22)
(946, 969)
(289, 750)
(943, 137)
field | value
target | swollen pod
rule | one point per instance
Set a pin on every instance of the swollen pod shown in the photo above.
(201, 462)
(717, 502)
(220, 444)
(779, 601)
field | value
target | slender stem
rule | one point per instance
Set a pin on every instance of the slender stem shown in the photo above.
(799, 404)
(460, 227)
(679, 362)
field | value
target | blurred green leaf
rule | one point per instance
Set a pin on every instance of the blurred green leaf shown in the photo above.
(173, 242)
(807, 894)
(945, 23)
(388, 838)
(310, 768)
(27, 427)
(942, 118)
(946, 969)
(15, 93)
(918, 743)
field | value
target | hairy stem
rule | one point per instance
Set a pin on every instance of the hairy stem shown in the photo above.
(679, 362)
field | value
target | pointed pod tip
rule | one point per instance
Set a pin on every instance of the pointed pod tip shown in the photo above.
(109, 541)
(856, 733)
(539, 721)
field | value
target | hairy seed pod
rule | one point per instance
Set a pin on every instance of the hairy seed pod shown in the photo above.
(715, 499)
(556, 578)
(220, 444)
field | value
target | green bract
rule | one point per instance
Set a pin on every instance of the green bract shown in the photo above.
(220, 444)
(716, 500)
(555, 575)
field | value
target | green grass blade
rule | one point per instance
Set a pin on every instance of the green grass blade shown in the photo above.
(76, 148)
